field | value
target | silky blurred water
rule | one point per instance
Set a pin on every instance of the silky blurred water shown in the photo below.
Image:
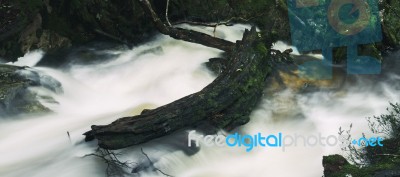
(160, 72)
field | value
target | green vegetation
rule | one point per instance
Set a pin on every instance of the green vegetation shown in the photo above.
(391, 22)
(370, 161)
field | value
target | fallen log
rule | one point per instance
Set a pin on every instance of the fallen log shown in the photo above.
(226, 102)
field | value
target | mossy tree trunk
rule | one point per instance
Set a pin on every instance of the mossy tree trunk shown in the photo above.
(226, 102)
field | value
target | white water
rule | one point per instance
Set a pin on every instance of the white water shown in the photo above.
(98, 94)
(30, 59)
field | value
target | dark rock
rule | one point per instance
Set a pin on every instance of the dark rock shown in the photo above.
(388, 173)
(216, 65)
(16, 96)
(333, 164)
(91, 53)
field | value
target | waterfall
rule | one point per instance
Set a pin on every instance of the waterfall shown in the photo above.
(159, 72)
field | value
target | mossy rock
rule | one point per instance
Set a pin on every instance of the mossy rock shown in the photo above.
(16, 97)
(338, 166)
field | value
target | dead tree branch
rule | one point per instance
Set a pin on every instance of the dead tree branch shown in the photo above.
(215, 25)
(115, 167)
(166, 14)
(152, 164)
(184, 34)
(226, 22)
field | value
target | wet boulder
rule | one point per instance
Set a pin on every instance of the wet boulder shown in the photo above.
(17, 90)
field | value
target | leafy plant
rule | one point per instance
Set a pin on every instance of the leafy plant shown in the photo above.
(373, 160)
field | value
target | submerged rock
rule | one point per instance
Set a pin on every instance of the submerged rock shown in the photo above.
(16, 94)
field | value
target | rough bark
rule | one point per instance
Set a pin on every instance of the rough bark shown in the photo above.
(226, 102)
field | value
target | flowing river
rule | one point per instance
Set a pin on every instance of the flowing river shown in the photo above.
(159, 72)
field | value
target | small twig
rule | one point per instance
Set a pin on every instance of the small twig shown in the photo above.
(152, 164)
(114, 166)
(393, 155)
(166, 14)
(69, 137)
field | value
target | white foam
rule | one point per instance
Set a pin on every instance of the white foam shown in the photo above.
(29, 59)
